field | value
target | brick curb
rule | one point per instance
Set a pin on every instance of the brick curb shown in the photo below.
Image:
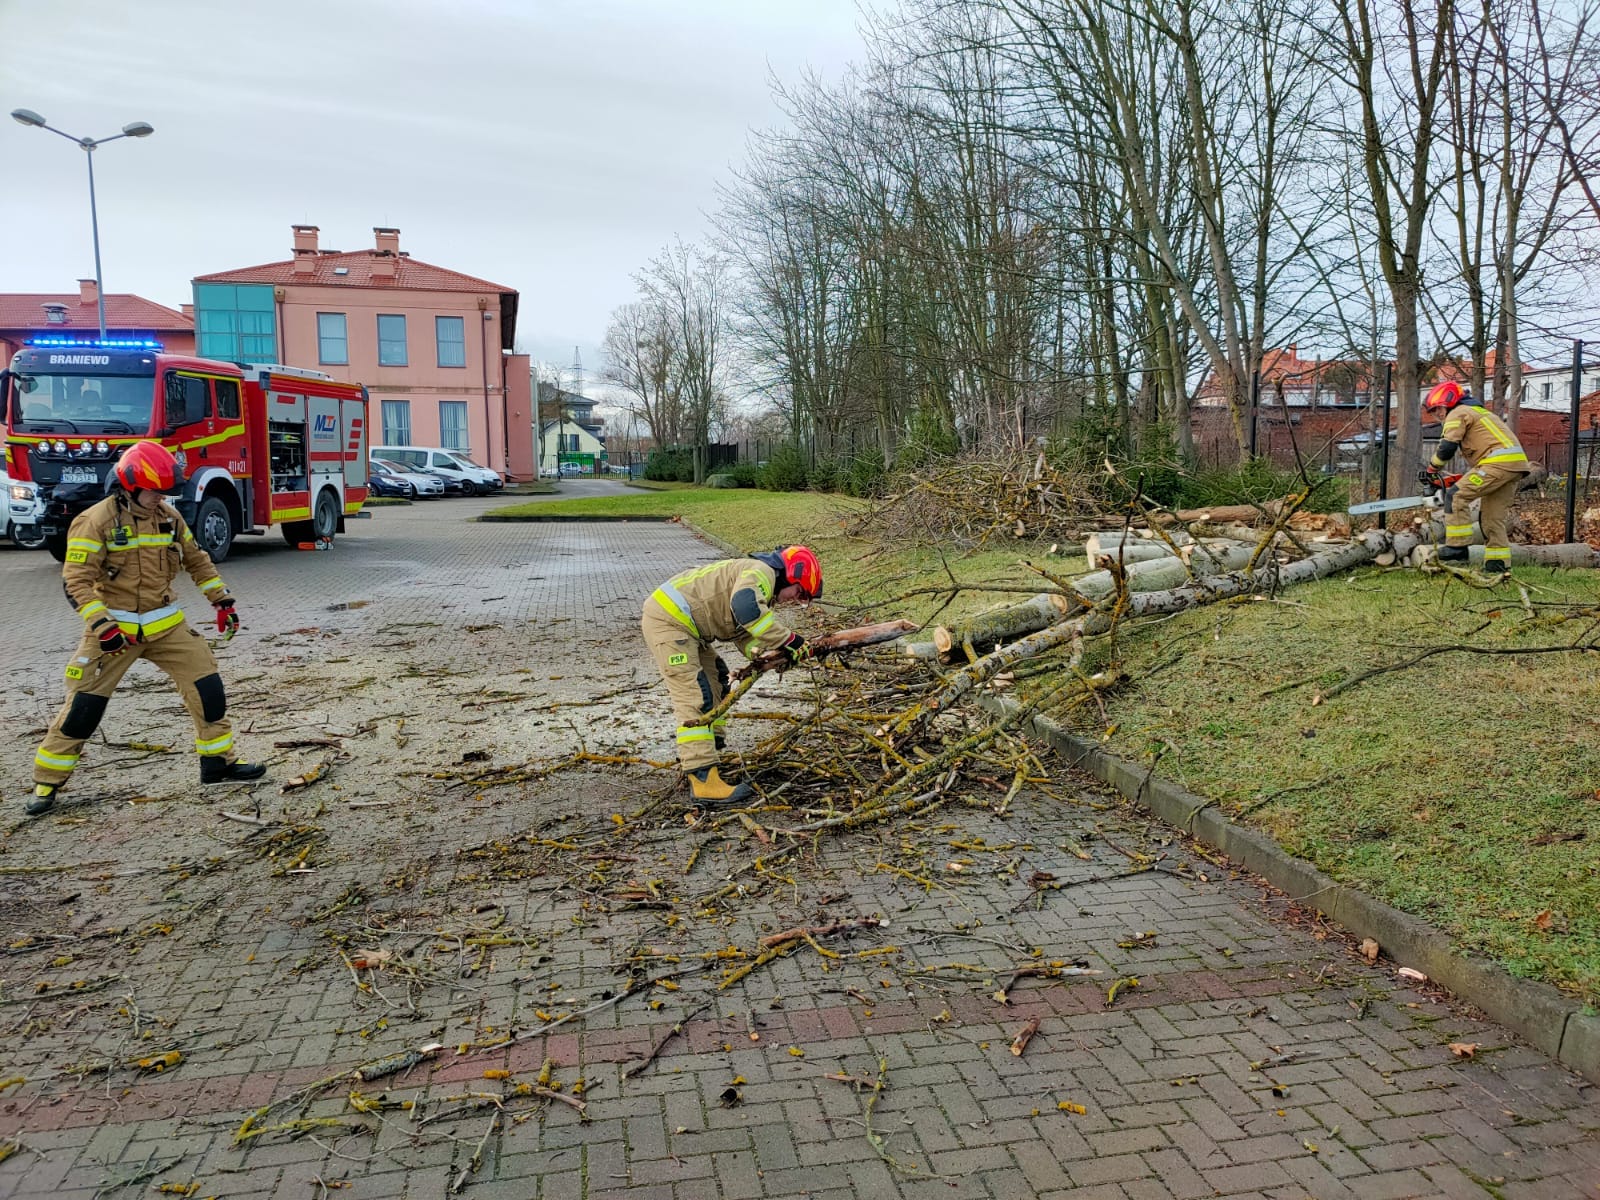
(1538, 1012)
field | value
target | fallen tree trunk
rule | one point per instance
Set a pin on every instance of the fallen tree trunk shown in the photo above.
(1097, 544)
(989, 629)
(1158, 574)
(1204, 591)
(1566, 554)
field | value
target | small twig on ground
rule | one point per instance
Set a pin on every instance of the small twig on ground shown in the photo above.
(655, 1051)
(477, 1155)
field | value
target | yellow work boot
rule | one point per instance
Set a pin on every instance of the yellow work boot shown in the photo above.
(708, 787)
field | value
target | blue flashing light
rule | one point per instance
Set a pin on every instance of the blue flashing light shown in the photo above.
(97, 343)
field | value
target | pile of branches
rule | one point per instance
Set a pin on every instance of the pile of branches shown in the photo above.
(980, 497)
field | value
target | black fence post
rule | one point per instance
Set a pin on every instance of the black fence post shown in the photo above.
(1572, 440)
(1255, 399)
(1383, 459)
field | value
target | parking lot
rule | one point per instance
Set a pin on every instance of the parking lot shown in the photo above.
(481, 860)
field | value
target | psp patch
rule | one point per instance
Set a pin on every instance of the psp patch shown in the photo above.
(74, 672)
(678, 660)
(77, 556)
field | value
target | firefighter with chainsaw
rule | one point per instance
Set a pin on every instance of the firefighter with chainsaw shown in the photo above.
(1497, 465)
(728, 601)
(122, 557)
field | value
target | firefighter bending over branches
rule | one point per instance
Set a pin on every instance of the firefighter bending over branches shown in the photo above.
(728, 601)
(122, 556)
(1497, 467)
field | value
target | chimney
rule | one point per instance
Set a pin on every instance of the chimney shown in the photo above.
(188, 312)
(88, 291)
(54, 314)
(305, 249)
(388, 240)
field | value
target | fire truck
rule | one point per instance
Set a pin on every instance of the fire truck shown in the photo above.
(260, 444)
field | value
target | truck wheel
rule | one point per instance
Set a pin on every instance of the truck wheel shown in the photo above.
(57, 545)
(324, 522)
(213, 528)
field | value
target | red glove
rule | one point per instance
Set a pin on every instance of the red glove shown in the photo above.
(112, 639)
(227, 619)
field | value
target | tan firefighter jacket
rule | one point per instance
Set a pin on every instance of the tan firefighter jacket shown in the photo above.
(1483, 438)
(726, 602)
(121, 562)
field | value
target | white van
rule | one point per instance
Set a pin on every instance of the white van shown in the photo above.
(20, 511)
(459, 472)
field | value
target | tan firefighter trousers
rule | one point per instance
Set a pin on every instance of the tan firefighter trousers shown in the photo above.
(92, 677)
(1494, 486)
(696, 678)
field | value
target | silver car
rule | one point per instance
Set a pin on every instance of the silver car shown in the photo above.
(427, 486)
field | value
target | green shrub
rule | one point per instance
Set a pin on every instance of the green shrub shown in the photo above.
(721, 480)
(785, 470)
(865, 474)
(748, 475)
(674, 464)
(928, 438)
(827, 476)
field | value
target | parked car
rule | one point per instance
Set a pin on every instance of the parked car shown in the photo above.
(459, 472)
(386, 481)
(22, 512)
(570, 469)
(428, 485)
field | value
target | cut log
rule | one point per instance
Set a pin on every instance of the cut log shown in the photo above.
(1161, 573)
(988, 629)
(1108, 543)
(1127, 553)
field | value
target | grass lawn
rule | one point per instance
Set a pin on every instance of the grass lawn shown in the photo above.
(861, 577)
(1465, 790)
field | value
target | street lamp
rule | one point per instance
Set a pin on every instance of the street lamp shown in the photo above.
(138, 129)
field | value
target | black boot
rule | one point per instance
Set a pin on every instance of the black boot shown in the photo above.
(1453, 554)
(1496, 566)
(42, 800)
(216, 769)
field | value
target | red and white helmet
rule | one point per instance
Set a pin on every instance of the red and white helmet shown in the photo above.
(801, 568)
(1444, 395)
(149, 465)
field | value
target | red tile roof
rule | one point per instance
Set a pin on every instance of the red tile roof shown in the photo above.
(408, 273)
(23, 310)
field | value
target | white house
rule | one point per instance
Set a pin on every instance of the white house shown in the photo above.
(565, 441)
(1549, 389)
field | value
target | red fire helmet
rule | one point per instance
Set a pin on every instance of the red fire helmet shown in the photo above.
(1444, 395)
(149, 465)
(802, 569)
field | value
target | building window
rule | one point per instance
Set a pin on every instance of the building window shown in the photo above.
(391, 340)
(1546, 394)
(453, 424)
(234, 322)
(451, 335)
(571, 440)
(397, 422)
(333, 342)
(227, 399)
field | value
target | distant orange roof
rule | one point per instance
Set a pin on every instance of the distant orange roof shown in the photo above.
(24, 310)
(357, 264)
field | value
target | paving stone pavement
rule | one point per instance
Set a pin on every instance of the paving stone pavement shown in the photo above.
(442, 883)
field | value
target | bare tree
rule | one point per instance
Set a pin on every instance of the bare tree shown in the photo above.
(641, 353)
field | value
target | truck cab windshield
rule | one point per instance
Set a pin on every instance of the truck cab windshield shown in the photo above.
(47, 403)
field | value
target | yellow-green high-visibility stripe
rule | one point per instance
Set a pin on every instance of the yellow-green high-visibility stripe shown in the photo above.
(1514, 454)
(695, 733)
(85, 544)
(93, 609)
(1497, 554)
(672, 603)
(220, 745)
(757, 628)
(157, 620)
(214, 582)
(54, 762)
(1451, 531)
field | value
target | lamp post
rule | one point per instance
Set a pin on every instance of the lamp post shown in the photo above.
(138, 129)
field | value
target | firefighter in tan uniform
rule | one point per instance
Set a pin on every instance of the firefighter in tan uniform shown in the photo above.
(728, 601)
(1497, 465)
(122, 556)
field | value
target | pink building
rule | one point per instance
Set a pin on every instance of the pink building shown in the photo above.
(432, 346)
(25, 315)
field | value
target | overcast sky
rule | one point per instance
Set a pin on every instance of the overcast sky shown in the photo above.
(552, 146)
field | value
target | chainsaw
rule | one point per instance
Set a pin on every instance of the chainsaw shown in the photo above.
(1436, 499)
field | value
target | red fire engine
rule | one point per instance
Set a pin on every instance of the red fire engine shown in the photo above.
(260, 444)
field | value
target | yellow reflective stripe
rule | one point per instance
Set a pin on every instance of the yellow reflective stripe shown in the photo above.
(157, 620)
(751, 649)
(214, 582)
(142, 541)
(213, 439)
(1458, 530)
(84, 544)
(93, 609)
(54, 762)
(1497, 427)
(220, 745)
(1515, 454)
(188, 534)
(672, 602)
(695, 733)
(1497, 552)
(757, 628)
(287, 513)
